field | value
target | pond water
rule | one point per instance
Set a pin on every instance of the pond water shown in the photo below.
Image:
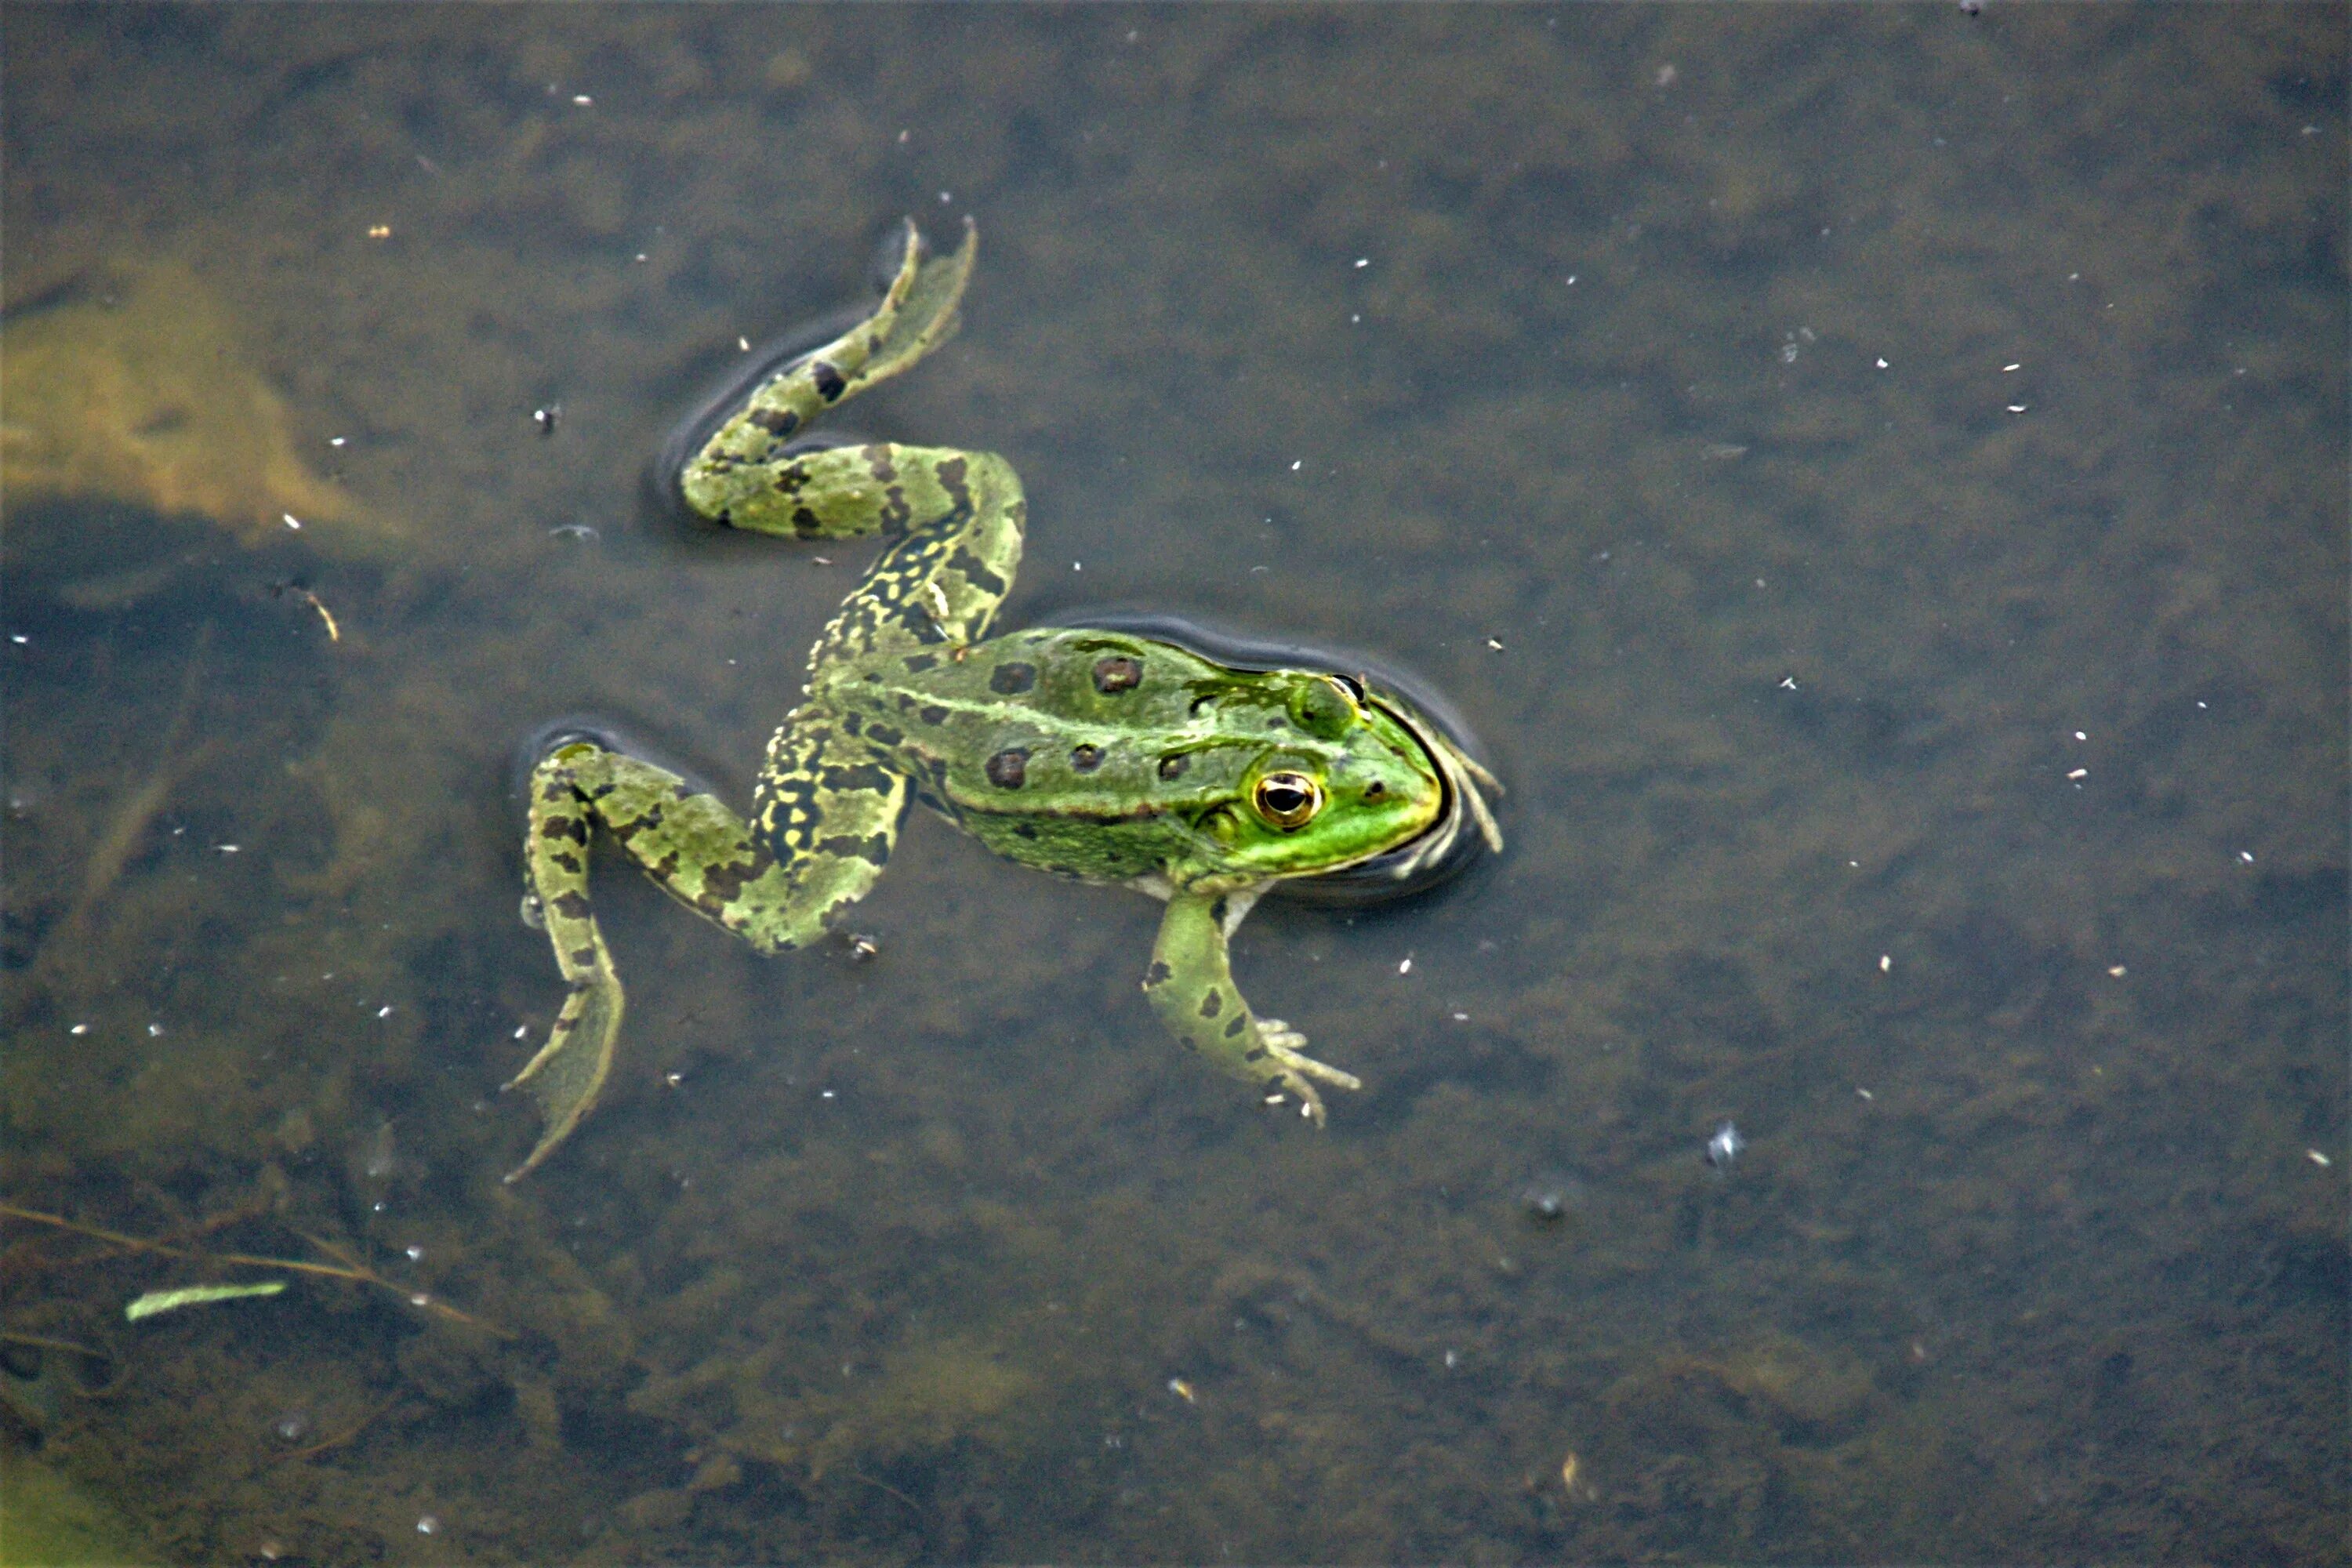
(1874, 480)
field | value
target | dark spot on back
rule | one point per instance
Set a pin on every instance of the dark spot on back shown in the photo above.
(1157, 974)
(829, 385)
(920, 662)
(1011, 679)
(1009, 769)
(1236, 1026)
(776, 421)
(933, 714)
(1086, 759)
(1213, 1003)
(1119, 673)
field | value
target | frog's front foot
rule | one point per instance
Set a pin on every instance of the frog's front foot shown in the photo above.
(1293, 1068)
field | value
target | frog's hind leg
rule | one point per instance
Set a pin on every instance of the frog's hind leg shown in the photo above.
(734, 478)
(695, 849)
(954, 518)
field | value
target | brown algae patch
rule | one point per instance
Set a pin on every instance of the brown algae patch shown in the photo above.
(138, 385)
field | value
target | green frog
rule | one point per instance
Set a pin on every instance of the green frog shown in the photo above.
(1097, 754)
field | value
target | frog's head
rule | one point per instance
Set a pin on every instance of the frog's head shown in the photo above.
(1354, 777)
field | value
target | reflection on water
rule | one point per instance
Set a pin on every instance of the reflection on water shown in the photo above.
(1872, 479)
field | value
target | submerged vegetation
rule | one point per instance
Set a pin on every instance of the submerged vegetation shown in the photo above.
(1872, 476)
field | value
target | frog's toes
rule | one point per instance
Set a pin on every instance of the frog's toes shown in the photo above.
(1293, 1068)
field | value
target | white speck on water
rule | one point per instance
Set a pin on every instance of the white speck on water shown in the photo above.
(2080, 773)
(430, 1524)
(292, 521)
(825, 1094)
(2019, 407)
(1362, 262)
(1863, 1092)
(1461, 1018)
(1885, 962)
(582, 100)
(335, 440)
(2247, 855)
(79, 1029)
(154, 1030)
(1406, 967)
(2318, 1159)
(384, 1011)
(1882, 362)
(415, 1253)
(742, 345)
(2007, 368)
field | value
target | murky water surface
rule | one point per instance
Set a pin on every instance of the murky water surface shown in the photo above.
(1872, 478)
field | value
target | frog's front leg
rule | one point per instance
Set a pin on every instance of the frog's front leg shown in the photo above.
(833, 820)
(1190, 984)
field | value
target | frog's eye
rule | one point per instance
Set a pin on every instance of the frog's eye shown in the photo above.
(1288, 801)
(1323, 708)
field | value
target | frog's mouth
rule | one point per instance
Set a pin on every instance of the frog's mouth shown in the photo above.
(1436, 854)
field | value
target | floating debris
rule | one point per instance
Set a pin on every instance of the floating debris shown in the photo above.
(1724, 1147)
(157, 1301)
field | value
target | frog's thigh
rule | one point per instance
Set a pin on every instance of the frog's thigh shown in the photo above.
(1191, 986)
(961, 517)
(830, 812)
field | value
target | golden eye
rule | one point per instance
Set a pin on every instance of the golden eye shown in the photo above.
(1289, 801)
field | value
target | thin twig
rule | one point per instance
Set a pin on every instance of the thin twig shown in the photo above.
(47, 1344)
(921, 1515)
(253, 1260)
(315, 1449)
